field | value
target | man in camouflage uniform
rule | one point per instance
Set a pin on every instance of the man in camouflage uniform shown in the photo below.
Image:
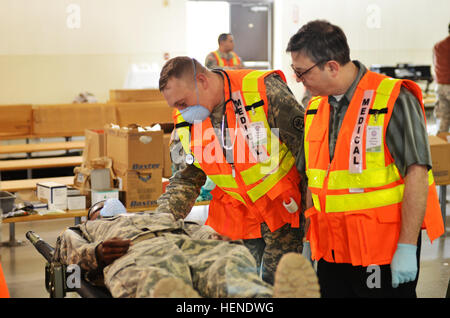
(153, 255)
(225, 53)
(284, 114)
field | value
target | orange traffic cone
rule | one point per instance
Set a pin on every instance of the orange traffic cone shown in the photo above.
(4, 292)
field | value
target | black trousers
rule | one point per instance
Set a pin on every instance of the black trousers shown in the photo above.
(340, 280)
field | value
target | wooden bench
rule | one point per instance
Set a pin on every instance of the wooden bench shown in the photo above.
(46, 146)
(30, 184)
(40, 163)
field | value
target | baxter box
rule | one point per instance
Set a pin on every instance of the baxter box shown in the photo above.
(141, 187)
(55, 194)
(440, 157)
(134, 148)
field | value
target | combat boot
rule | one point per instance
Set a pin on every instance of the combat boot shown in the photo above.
(172, 287)
(295, 278)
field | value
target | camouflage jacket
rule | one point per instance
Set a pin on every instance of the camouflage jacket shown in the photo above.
(284, 113)
(77, 245)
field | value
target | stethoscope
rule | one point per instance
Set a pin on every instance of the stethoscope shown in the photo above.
(230, 99)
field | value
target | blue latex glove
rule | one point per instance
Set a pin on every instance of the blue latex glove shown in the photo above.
(404, 264)
(307, 251)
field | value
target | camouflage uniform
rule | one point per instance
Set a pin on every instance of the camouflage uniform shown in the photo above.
(162, 247)
(284, 113)
(211, 62)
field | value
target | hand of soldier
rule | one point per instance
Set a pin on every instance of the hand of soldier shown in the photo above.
(218, 237)
(110, 250)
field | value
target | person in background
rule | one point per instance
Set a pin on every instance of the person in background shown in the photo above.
(224, 57)
(441, 61)
(368, 165)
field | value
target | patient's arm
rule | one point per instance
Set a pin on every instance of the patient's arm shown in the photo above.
(71, 248)
(206, 232)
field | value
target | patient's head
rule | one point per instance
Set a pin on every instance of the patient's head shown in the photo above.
(105, 209)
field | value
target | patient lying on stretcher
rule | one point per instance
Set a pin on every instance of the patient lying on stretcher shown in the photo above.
(150, 254)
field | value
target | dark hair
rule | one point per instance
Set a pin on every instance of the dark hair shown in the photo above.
(178, 67)
(321, 41)
(223, 37)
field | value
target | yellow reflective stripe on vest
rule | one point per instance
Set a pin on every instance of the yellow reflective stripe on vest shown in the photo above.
(341, 179)
(315, 177)
(316, 201)
(235, 195)
(261, 170)
(219, 59)
(430, 177)
(261, 189)
(376, 159)
(251, 95)
(314, 105)
(235, 59)
(373, 178)
(364, 201)
(224, 180)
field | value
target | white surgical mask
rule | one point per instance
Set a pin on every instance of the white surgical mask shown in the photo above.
(195, 112)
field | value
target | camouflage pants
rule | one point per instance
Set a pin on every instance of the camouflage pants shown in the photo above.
(213, 268)
(443, 107)
(269, 249)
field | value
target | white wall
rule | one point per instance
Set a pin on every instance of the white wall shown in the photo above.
(204, 28)
(378, 31)
(50, 50)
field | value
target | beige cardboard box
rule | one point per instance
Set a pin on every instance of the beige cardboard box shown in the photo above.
(143, 113)
(167, 172)
(440, 156)
(131, 149)
(71, 119)
(134, 95)
(95, 145)
(142, 187)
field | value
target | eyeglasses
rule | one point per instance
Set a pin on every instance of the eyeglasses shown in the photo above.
(302, 74)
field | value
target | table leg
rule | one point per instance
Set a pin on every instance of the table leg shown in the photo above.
(12, 238)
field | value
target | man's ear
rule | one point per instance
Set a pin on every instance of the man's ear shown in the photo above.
(333, 67)
(202, 80)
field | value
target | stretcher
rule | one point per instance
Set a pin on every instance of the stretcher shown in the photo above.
(56, 274)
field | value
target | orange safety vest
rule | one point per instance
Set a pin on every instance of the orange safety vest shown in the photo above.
(357, 197)
(4, 292)
(221, 62)
(252, 189)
